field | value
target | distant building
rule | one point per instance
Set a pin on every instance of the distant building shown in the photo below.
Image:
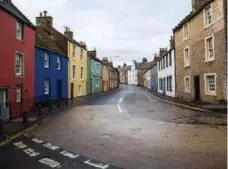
(17, 61)
(105, 75)
(201, 57)
(124, 74)
(166, 71)
(133, 75)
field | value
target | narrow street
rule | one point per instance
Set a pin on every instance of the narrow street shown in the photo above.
(128, 128)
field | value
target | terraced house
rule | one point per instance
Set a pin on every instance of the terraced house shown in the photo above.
(201, 58)
(76, 53)
(94, 73)
(17, 51)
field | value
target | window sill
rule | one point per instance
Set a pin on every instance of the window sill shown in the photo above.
(186, 66)
(19, 76)
(187, 92)
(186, 38)
(205, 27)
(210, 60)
(46, 67)
(20, 40)
(211, 93)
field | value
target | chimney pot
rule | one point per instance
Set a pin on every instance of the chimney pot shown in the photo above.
(41, 14)
(45, 13)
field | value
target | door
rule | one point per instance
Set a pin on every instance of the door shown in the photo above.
(4, 104)
(72, 90)
(91, 85)
(164, 88)
(59, 89)
(197, 87)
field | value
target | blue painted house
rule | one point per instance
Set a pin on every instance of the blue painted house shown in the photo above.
(154, 78)
(94, 71)
(51, 68)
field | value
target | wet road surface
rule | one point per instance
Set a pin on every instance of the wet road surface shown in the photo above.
(132, 129)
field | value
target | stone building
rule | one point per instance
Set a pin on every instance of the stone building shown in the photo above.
(200, 53)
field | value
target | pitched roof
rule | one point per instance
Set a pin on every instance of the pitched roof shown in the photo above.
(45, 40)
(13, 10)
(191, 15)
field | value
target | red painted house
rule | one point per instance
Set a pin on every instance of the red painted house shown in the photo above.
(17, 61)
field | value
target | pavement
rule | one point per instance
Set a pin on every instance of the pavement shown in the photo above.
(128, 128)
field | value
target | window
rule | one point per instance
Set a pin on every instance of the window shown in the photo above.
(79, 89)
(167, 64)
(170, 59)
(19, 64)
(186, 57)
(81, 55)
(160, 83)
(58, 63)
(208, 16)
(18, 94)
(20, 30)
(46, 60)
(210, 84)
(169, 83)
(46, 86)
(74, 51)
(97, 83)
(187, 84)
(186, 31)
(98, 68)
(209, 48)
(82, 73)
(163, 62)
(159, 65)
(74, 72)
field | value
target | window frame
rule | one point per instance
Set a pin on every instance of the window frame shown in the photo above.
(48, 60)
(79, 89)
(206, 85)
(74, 50)
(74, 72)
(97, 82)
(59, 66)
(186, 25)
(18, 99)
(187, 91)
(81, 54)
(21, 31)
(207, 57)
(185, 64)
(22, 64)
(206, 25)
(82, 73)
(48, 91)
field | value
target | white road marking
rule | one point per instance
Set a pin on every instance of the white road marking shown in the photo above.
(102, 166)
(119, 107)
(31, 152)
(37, 140)
(50, 146)
(68, 154)
(20, 145)
(121, 99)
(51, 163)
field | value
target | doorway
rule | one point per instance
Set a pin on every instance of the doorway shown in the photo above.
(59, 89)
(197, 87)
(91, 85)
(72, 90)
(4, 104)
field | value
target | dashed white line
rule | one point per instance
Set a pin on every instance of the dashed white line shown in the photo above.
(68, 154)
(102, 166)
(119, 107)
(121, 99)
(50, 146)
(31, 152)
(37, 140)
(20, 145)
(51, 163)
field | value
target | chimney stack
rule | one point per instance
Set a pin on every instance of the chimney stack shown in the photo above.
(68, 33)
(44, 20)
(172, 42)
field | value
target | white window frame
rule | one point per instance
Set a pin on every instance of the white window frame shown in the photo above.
(74, 72)
(187, 90)
(19, 72)
(74, 48)
(207, 57)
(81, 55)
(184, 31)
(46, 58)
(19, 31)
(82, 73)
(187, 64)
(97, 82)
(206, 86)
(59, 63)
(18, 93)
(206, 25)
(46, 86)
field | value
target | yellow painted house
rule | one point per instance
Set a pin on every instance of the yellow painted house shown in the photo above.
(77, 66)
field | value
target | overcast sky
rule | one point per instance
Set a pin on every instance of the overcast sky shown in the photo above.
(131, 29)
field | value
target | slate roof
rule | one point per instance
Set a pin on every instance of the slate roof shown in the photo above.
(191, 15)
(9, 7)
(46, 40)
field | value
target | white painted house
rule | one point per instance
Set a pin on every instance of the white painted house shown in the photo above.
(166, 72)
(133, 75)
